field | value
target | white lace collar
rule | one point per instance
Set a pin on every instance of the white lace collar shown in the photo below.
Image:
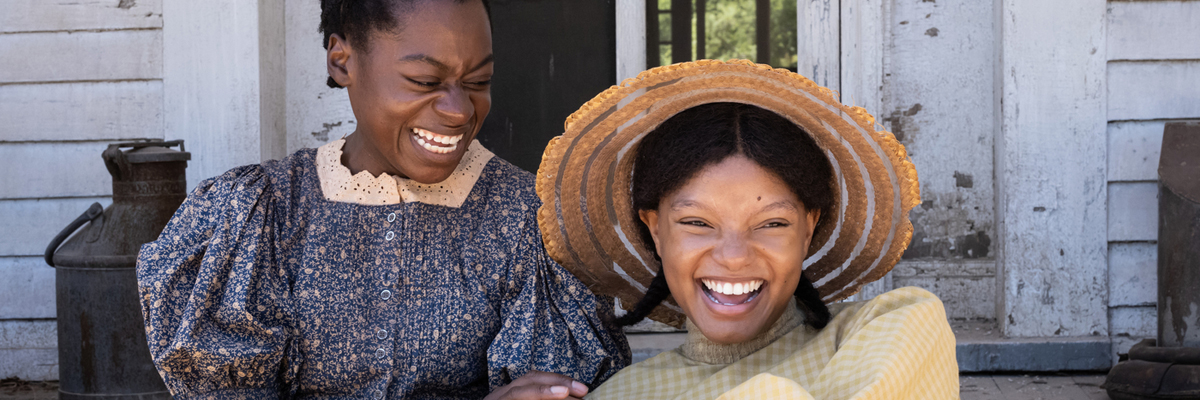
(363, 188)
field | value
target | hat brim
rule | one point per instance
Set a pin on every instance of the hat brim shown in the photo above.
(587, 220)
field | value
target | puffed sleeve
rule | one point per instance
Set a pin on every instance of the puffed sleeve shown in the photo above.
(213, 297)
(553, 323)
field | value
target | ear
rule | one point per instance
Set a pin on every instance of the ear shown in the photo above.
(338, 59)
(650, 218)
(812, 217)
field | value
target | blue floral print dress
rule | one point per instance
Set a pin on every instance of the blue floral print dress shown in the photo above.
(294, 279)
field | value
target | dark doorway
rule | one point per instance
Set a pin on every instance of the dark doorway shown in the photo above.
(551, 57)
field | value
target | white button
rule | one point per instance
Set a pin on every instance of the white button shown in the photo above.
(381, 353)
(377, 393)
(385, 294)
(390, 235)
(391, 217)
(382, 334)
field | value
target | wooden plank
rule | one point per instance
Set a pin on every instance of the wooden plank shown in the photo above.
(81, 56)
(631, 38)
(1132, 274)
(27, 290)
(1153, 90)
(53, 169)
(1135, 321)
(1050, 162)
(37, 221)
(963, 297)
(81, 111)
(213, 88)
(940, 94)
(1133, 211)
(862, 42)
(818, 47)
(1133, 149)
(44, 16)
(1153, 30)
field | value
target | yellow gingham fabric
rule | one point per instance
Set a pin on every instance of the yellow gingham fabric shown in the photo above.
(895, 346)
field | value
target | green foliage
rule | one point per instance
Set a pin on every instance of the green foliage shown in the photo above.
(730, 26)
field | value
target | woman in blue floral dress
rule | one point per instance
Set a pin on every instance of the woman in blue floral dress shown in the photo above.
(402, 261)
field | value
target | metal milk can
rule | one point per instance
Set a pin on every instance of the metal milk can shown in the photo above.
(102, 351)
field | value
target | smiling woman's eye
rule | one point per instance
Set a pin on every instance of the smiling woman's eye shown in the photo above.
(776, 224)
(480, 84)
(430, 84)
(694, 223)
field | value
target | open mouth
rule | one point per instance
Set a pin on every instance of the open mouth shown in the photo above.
(732, 293)
(435, 143)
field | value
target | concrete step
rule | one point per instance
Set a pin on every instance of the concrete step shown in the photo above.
(979, 347)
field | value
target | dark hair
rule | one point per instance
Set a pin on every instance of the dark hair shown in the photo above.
(357, 20)
(684, 144)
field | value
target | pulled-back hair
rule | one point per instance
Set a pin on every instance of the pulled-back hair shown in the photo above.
(357, 20)
(678, 149)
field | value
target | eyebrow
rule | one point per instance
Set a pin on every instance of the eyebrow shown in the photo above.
(440, 65)
(780, 204)
(784, 204)
(680, 204)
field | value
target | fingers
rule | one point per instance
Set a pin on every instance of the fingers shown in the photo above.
(535, 391)
(574, 388)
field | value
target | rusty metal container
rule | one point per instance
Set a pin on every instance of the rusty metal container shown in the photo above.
(1169, 367)
(1179, 237)
(102, 351)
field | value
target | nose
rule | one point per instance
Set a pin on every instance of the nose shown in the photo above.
(733, 251)
(454, 107)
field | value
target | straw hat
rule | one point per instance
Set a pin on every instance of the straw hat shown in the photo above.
(584, 179)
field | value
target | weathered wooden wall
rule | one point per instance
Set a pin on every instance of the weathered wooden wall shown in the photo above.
(1050, 169)
(1153, 73)
(76, 76)
(939, 102)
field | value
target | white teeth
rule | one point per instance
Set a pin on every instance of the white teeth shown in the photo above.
(424, 138)
(732, 289)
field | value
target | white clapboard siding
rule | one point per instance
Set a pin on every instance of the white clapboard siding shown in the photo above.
(316, 113)
(81, 111)
(1133, 150)
(76, 15)
(30, 224)
(81, 56)
(1153, 30)
(1132, 211)
(53, 169)
(1153, 90)
(1132, 274)
(29, 349)
(1135, 321)
(28, 288)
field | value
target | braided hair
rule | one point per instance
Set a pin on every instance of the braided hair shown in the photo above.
(675, 151)
(357, 20)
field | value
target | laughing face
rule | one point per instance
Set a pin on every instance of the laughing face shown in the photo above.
(420, 94)
(732, 241)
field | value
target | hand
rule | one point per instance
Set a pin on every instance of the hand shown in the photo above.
(537, 385)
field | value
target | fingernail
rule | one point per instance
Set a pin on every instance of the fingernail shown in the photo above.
(579, 387)
(558, 390)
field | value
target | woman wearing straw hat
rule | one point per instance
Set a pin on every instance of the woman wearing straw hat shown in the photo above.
(747, 198)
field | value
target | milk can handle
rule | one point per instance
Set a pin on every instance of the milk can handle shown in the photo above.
(92, 212)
